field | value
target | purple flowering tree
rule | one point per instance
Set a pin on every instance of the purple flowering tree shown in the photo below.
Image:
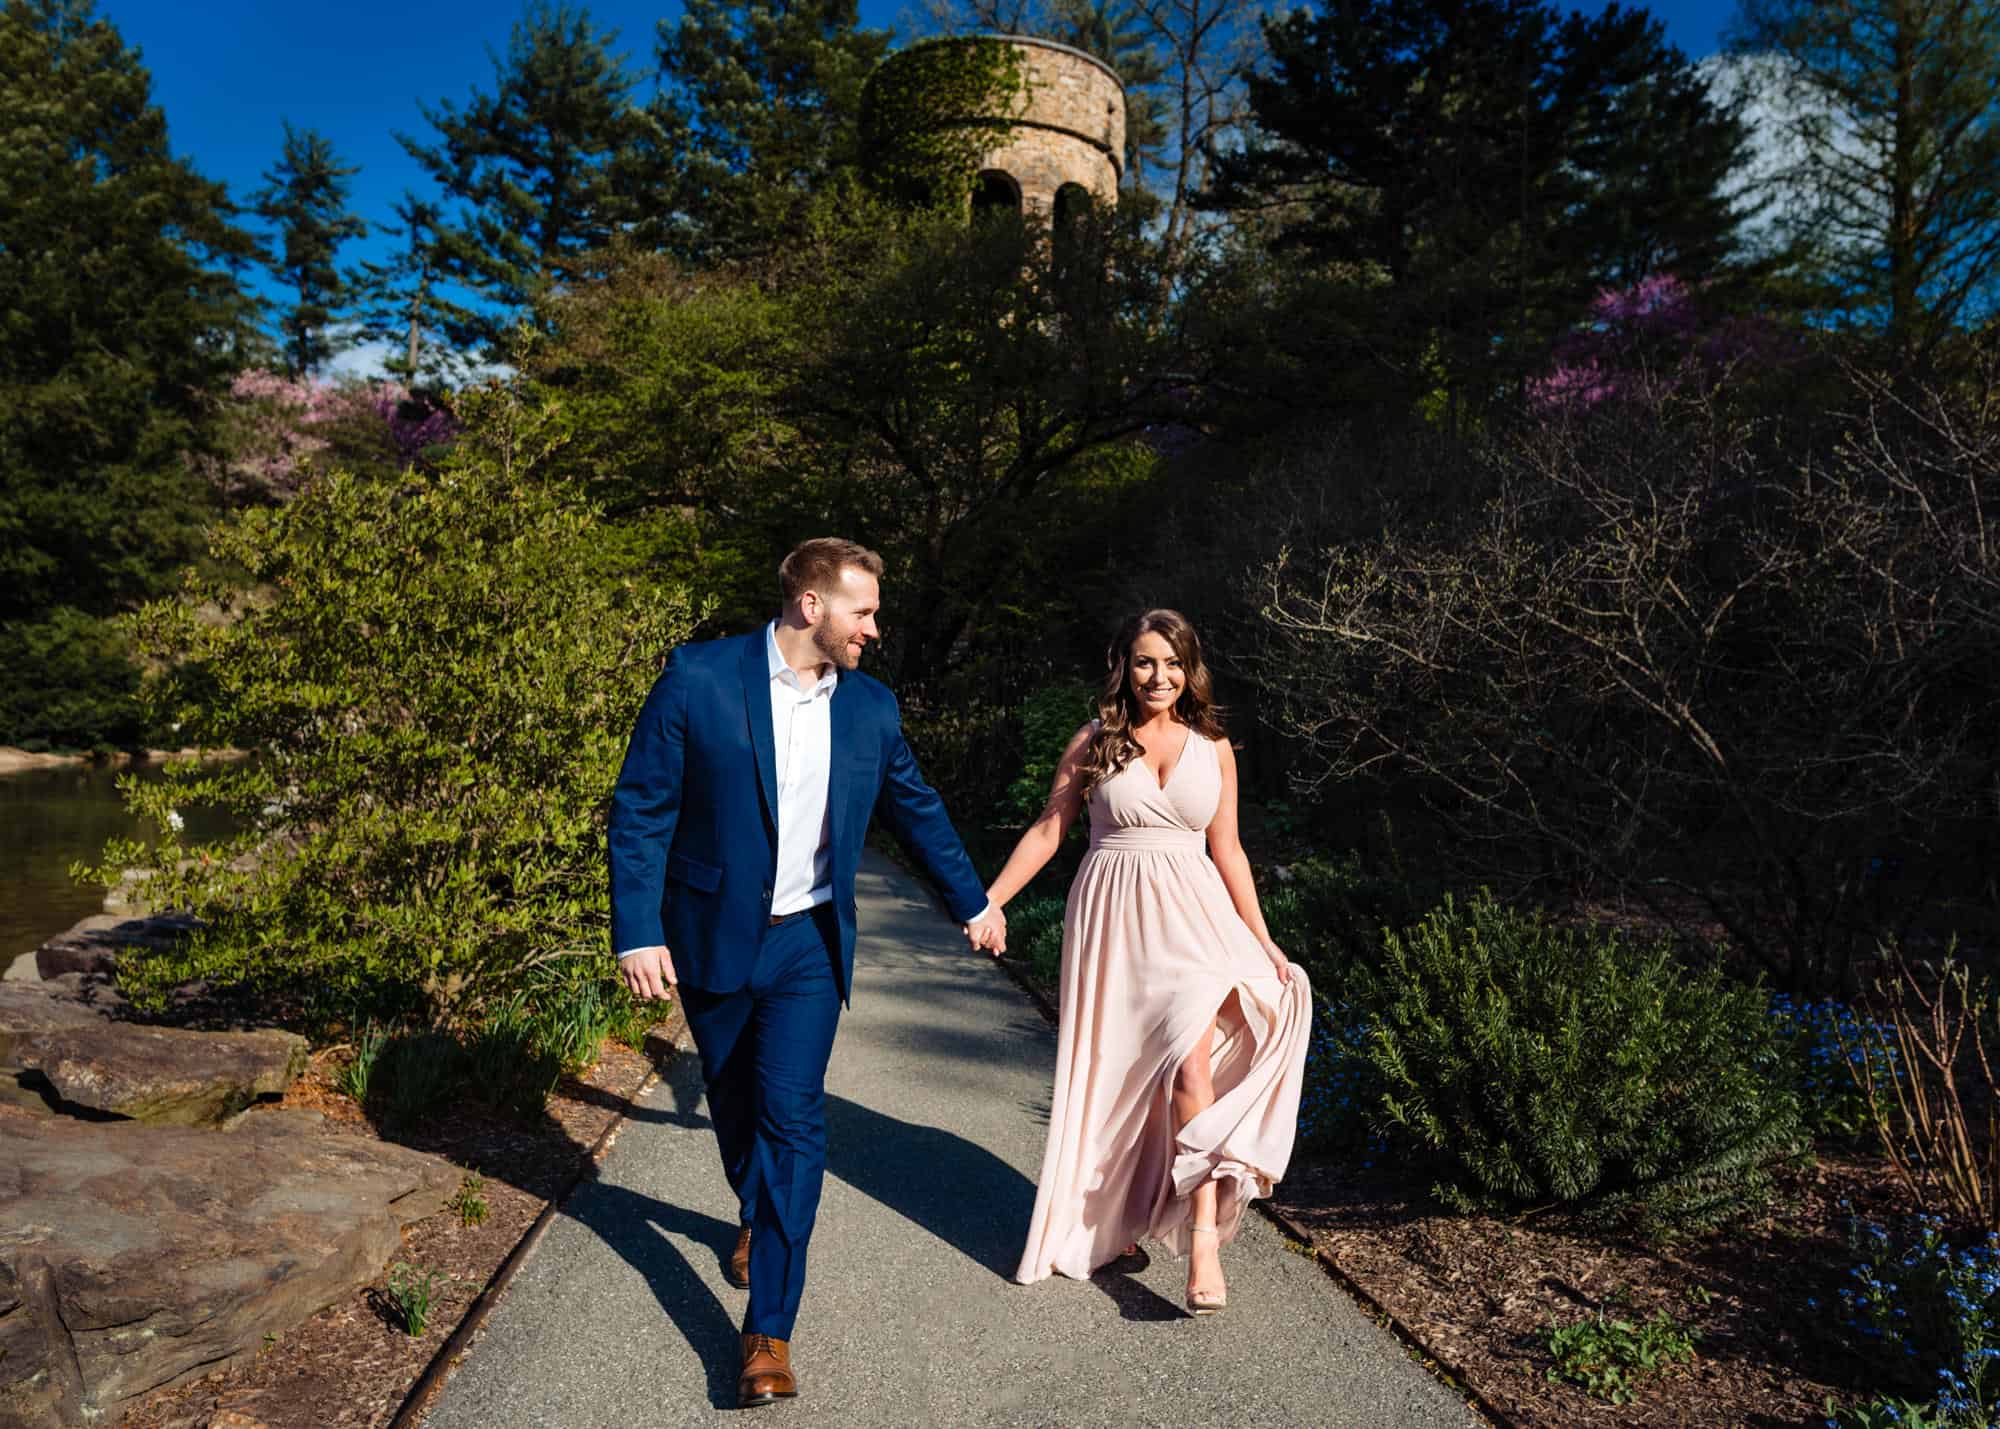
(279, 430)
(1651, 339)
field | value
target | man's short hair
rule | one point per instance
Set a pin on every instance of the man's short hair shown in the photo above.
(816, 565)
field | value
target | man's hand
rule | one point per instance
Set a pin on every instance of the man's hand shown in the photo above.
(989, 932)
(649, 973)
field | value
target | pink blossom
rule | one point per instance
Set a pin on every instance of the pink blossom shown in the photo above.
(1645, 341)
(277, 430)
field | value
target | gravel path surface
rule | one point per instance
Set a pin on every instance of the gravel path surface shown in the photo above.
(938, 1105)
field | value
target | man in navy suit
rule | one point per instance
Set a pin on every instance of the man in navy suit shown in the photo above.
(736, 829)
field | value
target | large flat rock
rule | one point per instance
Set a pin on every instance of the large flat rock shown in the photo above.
(94, 944)
(75, 1035)
(31, 1009)
(135, 1256)
(164, 1075)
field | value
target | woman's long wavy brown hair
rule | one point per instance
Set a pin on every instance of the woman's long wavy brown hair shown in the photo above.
(1113, 747)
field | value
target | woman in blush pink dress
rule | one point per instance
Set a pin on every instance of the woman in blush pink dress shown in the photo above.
(1182, 1043)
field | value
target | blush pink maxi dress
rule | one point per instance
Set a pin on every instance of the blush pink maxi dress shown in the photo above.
(1152, 950)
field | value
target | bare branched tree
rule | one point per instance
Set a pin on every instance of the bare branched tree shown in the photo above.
(1747, 686)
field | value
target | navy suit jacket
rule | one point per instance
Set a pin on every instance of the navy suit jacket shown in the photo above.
(694, 833)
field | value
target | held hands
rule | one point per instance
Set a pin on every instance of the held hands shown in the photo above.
(649, 973)
(989, 932)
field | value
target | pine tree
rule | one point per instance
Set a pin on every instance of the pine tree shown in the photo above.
(304, 199)
(772, 91)
(544, 168)
(118, 315)
(402, 302)
(1892, 113)
(1482, 167)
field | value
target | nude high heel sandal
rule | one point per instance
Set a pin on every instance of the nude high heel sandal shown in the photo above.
(1205, 1302)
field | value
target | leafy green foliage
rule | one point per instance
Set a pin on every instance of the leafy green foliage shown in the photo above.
(1610, 1358)
(468, 1202)
(70, 683)
(1890, 183)
(1475, 171)
(773, 96)
(439, 673)
(1571, 1067)
(931, 110)
(414, 1077)
(507, 1063)
(1049, 719)
(412, 1293)
(1035, 935)
(946, 393)
(1888, 1412)
(402, 301)
(1330, 913)
(547, 167)
(358, 1076)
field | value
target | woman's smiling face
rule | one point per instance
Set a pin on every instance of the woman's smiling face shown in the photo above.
(1157, 676)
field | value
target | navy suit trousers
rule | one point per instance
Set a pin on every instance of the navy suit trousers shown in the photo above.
(764, 1050)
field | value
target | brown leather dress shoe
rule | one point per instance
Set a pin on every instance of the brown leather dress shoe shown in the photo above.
(739, 1260)
(767, 1372)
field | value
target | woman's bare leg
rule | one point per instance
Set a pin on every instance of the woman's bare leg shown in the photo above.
(1194, 1093)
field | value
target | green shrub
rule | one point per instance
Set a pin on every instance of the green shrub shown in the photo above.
(415, 1076)
(1035, 935)
(1552, 1065)
(1049, 718)
(439, 674)
(71, 683)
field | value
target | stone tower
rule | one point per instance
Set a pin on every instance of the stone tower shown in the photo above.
(1064, 143)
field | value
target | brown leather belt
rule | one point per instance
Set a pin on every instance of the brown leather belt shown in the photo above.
(778, 918)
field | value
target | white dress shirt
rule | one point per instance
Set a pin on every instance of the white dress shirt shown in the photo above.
(802, 741)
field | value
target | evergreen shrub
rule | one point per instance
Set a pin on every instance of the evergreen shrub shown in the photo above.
(1550, 1065)
(438, 673)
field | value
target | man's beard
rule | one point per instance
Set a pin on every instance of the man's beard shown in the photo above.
(833, 647)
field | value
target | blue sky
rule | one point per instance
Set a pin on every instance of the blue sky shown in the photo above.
(228, 73)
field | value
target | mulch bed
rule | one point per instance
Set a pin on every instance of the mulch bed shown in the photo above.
(351, 1365)
(1476, 1294)
(1479, 1292)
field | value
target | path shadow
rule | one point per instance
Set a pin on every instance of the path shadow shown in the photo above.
(1135, 1300)
(955, 1189)
(642, 1229)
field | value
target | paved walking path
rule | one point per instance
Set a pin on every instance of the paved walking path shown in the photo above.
(938, 1099)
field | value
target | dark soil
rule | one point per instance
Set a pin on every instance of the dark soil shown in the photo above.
(1480, 1292)
(352, 1365)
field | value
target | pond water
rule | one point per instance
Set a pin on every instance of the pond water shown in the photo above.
(49, 818)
